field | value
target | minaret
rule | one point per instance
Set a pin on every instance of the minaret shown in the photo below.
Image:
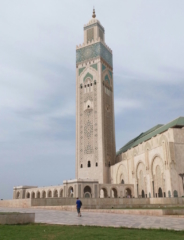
(95, 133)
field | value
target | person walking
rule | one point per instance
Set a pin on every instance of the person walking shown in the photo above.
(78, 206)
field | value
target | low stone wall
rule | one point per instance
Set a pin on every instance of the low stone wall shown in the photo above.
(96, 203)
(17, 218)
(23, 203)
(109, 203)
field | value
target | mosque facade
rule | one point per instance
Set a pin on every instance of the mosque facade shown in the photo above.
(149, 166)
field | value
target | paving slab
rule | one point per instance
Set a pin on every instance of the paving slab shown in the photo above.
(101, 219)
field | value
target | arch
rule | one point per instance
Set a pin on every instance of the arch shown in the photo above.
(88, 73)
(87, 195)
(175, 193)
(55, 193)
(107, 77)
(169, 193)
(140, 166)
(61, 193)
(141, 178)
(160, 192)
(49, 193)
(147, 146)
(114, 193)
(70, 192)
(33, 195)
(38, 194)
(121, 173)
(162, 139)
(128, 193)
(43, 194)
(27, 195)
(18, 195)
(87, 189)
(87, 192)
(89, 164)
(103, 193)
(156, 160)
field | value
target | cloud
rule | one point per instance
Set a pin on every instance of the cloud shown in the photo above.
(123, 105)
(37, 79)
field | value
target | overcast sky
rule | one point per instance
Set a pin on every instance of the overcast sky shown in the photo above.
(37, 79)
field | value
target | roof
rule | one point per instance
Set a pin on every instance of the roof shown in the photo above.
(145, 136)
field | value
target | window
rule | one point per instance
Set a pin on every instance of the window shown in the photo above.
(81, 166)
(96, 164)
(90, 34)
(89, 164)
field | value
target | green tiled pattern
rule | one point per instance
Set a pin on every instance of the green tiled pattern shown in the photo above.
(88, 75)
(107, 79)
(110, 73)
(94, 66)
(93, 51)
(81, 70)
(103, 67)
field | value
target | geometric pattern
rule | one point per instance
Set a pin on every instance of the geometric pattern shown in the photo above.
(107, 79)
(110, 73)
(93, 51)
(94, 66)
(103, 67)
(81, 70)
(88, 75)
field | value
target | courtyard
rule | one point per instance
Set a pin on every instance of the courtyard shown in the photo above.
(102, 219)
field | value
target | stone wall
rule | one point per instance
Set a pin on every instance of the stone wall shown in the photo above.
(23, 203)
(17, 218)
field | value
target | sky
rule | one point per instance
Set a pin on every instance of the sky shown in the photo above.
(37, 79)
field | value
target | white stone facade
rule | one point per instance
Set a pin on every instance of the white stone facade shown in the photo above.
(95, 135)
(154, 167)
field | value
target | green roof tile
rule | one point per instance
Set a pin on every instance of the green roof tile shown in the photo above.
(145, 136)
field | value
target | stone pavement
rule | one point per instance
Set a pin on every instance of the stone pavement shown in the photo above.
(101, 219)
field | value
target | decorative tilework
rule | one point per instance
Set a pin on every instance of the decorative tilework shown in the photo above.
(88, 75)
(93, 25)
(107, 79)
(110, 73)
(93, 51)
(103, 67)
(94, 66)
(81, 70)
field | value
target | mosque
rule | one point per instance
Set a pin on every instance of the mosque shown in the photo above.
(149, 166)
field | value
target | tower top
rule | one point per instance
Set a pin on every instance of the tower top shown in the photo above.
(94, 15)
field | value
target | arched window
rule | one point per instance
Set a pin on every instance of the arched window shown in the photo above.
(122, 181)
(18, 195)
(175, 193)
(81, 166)
(28, 195)
(96, 164)
(89, 164)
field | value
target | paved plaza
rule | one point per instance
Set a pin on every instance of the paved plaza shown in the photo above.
(102, 219)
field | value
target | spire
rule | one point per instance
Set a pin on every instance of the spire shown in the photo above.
(94, 15)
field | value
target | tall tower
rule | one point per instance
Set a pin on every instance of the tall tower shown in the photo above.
(95, 133)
